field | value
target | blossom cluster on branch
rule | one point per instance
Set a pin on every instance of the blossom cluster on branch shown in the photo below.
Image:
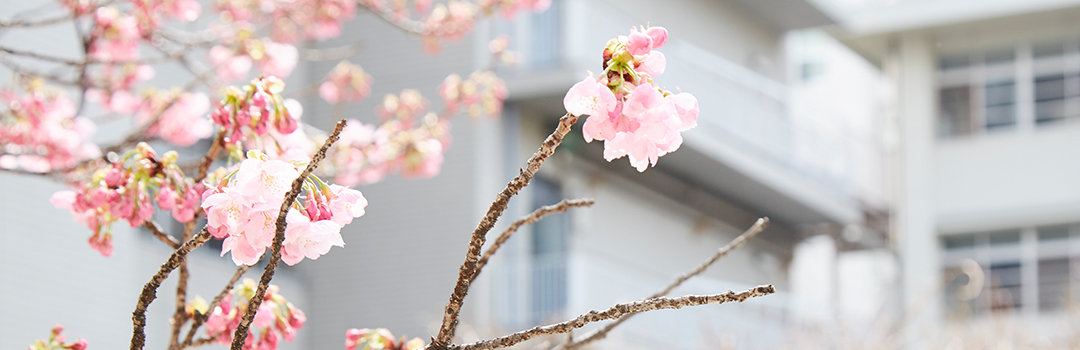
(39, 130)
(57, 341)
(277, 318)
(244, 207)
(410, 141)
(379, 339)
(627, 110)
(125, 191)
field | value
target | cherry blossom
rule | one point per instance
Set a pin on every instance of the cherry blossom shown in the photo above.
(123, 191)
(276, 319)
(57, 341)
(183, 121)
(243, 210)
(632, 115)
(40, 131)
(482, 94)
(346, 82)
(116, 36)
(379, 339)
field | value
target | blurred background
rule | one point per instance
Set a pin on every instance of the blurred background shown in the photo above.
(918, 160)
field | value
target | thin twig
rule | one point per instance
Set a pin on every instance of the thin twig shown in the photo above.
(615, 312)
(164, 237)
(149, 292)
(215, 147)
(180, 316)
(535, 216)
(201, 318)
(240, 336)
(35, 23)
(465, 273)
(598, 334)
(331, 53)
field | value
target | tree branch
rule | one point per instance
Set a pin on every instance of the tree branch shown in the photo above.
(180, 316)
(201, 318)
(279, 237)
(465, 273)
(562, 206)
(331, 53)
(149, 292)
(164, 237)
(35, 23)
(215, 147)
(616, 311)
(598, 334)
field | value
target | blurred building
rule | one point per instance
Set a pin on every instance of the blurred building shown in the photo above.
(771, 141)
(750, 156)
(983, 104)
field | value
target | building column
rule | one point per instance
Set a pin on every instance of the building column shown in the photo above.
(913, 72)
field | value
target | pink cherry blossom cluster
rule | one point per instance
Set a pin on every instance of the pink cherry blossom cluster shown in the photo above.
(116, 35)
(627, 110)
(57, 341)
(40, 132)
(277, 317)
(409, 142)
(183, 120)
(379, 339)
(122, 191)
(148, 12)
(254, 110)
(113, 85)
(244, 207)
(291, 21)
(482, 94)
(240, 48)
(347, 82)
(500, 49)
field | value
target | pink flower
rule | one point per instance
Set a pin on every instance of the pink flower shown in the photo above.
(654, 65)
(265, 181)
(346, 82)
(102, 242)
(346, 204)
(278, 60)
(185, 209)
(116, 36)
(644, 122)
(638, 43)
(226, 210)
(304, 238)
(264, 316)
(686, 107)
(230, 67)
(658, 36)
(184, 123)
(63, 200)
(184, 10)
(589, 97)
(166, 198)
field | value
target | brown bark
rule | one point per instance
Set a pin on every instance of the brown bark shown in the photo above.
(149, 292)
(615, 312)
(200, 319)
(240, 336)
(535, 216)
(720, 253)
(465, 273)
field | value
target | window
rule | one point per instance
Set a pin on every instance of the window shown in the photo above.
(979, 92)
(987, 272)
(548, 255)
